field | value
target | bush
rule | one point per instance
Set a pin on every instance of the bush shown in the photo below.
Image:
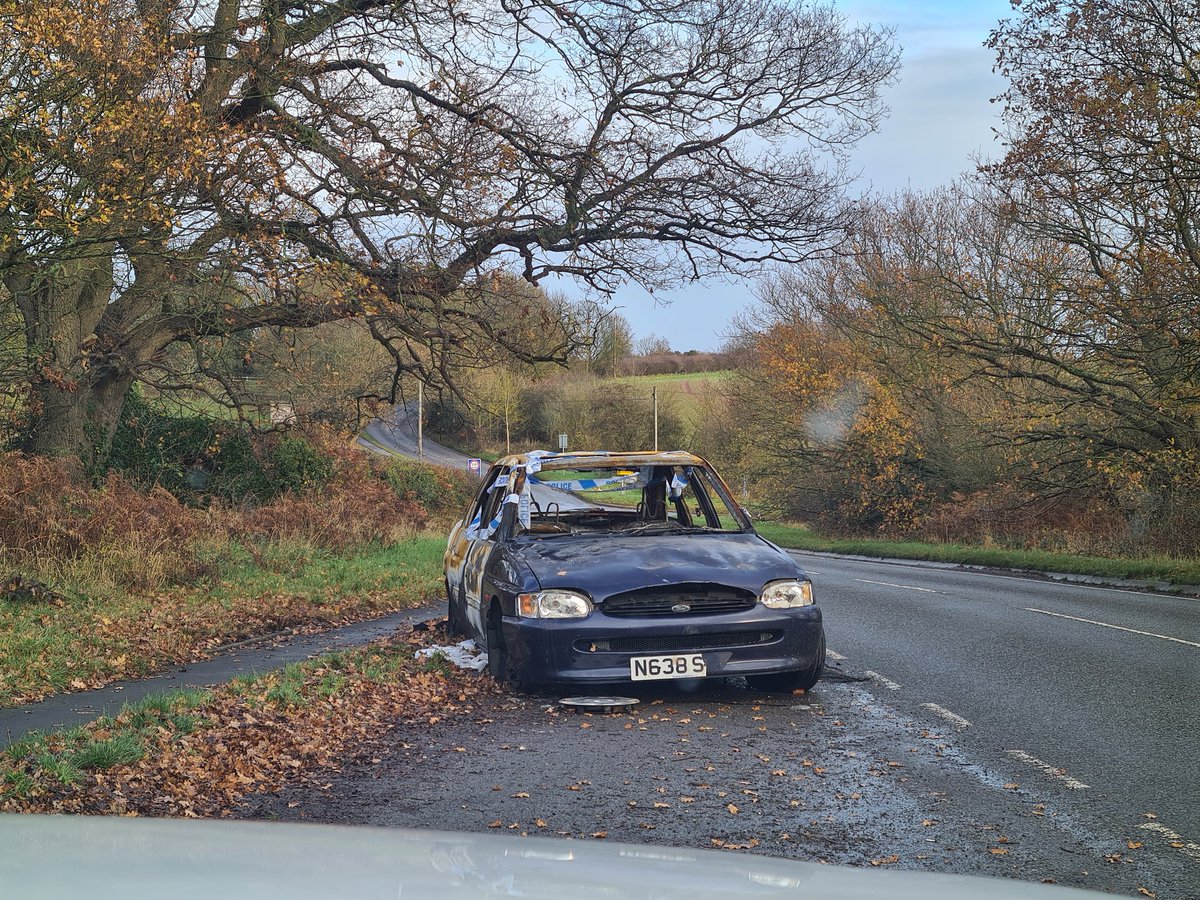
(299, 465)
(195, 456)
(153, 449)
(441, 492)
(48, 525)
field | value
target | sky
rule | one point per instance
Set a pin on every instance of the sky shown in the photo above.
(941, 118)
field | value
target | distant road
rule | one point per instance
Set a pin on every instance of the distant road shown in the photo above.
(395, 434)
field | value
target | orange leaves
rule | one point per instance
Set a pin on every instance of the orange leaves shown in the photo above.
(246, 739)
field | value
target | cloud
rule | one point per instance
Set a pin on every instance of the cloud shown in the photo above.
(941, 116)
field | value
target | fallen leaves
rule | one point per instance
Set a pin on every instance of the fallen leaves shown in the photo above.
(730, 845)
(886, 860)
(201, 759)
(733, 810)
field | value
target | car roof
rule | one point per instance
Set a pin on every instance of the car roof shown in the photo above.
(602, 458)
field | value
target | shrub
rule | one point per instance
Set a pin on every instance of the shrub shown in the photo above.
(442, 492)
(139, 539)
(299, 465)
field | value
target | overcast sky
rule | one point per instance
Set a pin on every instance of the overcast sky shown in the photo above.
(941, 117)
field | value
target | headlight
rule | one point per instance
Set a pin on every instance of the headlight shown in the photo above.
(787, 594)
(553, 605)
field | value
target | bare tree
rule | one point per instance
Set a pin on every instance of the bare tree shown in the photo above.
(177, 171)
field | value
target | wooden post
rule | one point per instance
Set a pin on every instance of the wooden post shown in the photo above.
(655, 395)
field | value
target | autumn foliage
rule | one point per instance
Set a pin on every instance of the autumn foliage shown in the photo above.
(116, 580)
(46, 519)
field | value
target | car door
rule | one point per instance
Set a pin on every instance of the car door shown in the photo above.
(459, 542)
(481, 541)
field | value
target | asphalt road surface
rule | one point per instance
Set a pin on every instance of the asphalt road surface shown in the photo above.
(396, 435)
(1091, 691)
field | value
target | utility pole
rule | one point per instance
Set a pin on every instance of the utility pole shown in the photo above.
(654, 394)
(420, 420)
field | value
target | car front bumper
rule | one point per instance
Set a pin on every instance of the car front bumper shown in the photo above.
(598, 649)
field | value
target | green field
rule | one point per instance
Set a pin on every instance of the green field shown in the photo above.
(1150, 568)
(685, 393)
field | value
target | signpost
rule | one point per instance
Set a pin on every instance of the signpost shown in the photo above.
(475, 465)
(562, 442)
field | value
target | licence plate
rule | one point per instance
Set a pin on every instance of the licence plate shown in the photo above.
(683, 665)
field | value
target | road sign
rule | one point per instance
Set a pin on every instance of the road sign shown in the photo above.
(562, 442)
(474, 465)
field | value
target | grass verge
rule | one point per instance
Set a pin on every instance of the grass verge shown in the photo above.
(200, 753)
(1157, 568)
(86, 639)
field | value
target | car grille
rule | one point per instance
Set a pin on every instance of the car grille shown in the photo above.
(677, 643)
(698, 599)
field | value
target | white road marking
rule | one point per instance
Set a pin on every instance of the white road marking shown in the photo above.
(886, 682)
(1187, 848)
(1050, 770)
(907, 587)
(834, 655)
(954, 719)
(1164, 637)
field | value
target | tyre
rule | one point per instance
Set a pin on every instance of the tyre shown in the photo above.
(499, 665)
(801, 679)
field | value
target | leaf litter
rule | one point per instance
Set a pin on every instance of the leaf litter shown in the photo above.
(201, 753)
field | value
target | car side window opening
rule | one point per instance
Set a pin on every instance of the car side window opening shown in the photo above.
(488, 505)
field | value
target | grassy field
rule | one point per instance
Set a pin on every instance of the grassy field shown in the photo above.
(1174, 571)
(77, 642)
(686, 392)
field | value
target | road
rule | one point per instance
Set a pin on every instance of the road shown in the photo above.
(396, 434)
(1096, 685)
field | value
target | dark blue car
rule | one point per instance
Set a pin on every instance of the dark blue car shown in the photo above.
(600, 568)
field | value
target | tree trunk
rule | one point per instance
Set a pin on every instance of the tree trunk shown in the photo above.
(78, 420)
(79, 371)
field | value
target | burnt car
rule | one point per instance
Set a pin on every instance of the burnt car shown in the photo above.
(598, 568)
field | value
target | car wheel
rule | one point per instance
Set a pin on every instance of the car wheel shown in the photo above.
(801, 679)
(499, 665)
(454, 617)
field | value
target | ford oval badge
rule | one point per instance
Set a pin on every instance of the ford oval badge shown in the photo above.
(681, 608)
